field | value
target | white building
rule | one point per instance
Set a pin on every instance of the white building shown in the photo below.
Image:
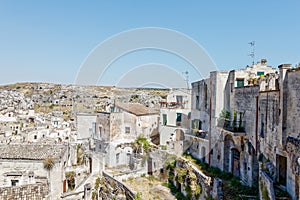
(175, 114)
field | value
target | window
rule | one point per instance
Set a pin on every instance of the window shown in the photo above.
(14, 182)
(262, 126)
(197, 124)
(178, 117)
(112, 109)
(179, 99)
(260, 73)
(100, 131)
(127, 130)
(117, 158)
(197, 103)
(164, 119)
(35, 137)
(94, 127)
(240, 82)
(205, 95)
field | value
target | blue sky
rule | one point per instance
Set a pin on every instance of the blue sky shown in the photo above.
(47, 41)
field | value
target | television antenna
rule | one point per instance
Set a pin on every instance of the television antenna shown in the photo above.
(186, 78)
(252, 54)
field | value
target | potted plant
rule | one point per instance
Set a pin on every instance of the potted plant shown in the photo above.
(234, 122)
(223, 120)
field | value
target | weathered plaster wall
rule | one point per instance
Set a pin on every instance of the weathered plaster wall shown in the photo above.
(103, 124)
(146, 125)
(291, 125)
(245, 105)
(200, 109)
(268, 123)
(198, 148)
(217, 87)
(84, 125)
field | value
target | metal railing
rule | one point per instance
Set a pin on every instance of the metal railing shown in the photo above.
(199, 134)
(233, 126)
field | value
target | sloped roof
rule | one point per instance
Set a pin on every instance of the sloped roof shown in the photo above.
(31, 151)
(137, 109)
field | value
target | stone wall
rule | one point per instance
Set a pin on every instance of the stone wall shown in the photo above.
(268, 123)
(245, 105)
(209, 187)
(293, 149)
(115, 184)
(147, 125)
(103, 125)
(198, 147)
(84, 125)
(32, 191)
(217, 102)
(291, 123)
(200, 109)
(266, 189)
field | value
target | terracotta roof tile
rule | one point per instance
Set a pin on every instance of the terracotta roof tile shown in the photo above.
(31, 151)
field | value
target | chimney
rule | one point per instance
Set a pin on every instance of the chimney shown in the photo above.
(282, 70)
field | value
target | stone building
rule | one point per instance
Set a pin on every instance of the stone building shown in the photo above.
(23, 165)
(207, 103)
(112, 133)
(278, 128)
(118, 129)
(223, 120)
(175, 113)
(86, 126)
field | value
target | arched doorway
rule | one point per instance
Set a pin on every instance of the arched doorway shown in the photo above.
(228, 144)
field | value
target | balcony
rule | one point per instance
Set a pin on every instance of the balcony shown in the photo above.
(172, 105)
(198, 134)
(235, 127)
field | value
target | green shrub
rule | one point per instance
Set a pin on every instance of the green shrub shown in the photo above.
(138, 196)
(224, 114)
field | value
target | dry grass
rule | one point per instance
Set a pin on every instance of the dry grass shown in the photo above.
(150, 188)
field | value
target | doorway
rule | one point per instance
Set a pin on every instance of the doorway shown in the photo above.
(236, 162)
(281, 169)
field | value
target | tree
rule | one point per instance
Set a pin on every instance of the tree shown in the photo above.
(49, 163)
